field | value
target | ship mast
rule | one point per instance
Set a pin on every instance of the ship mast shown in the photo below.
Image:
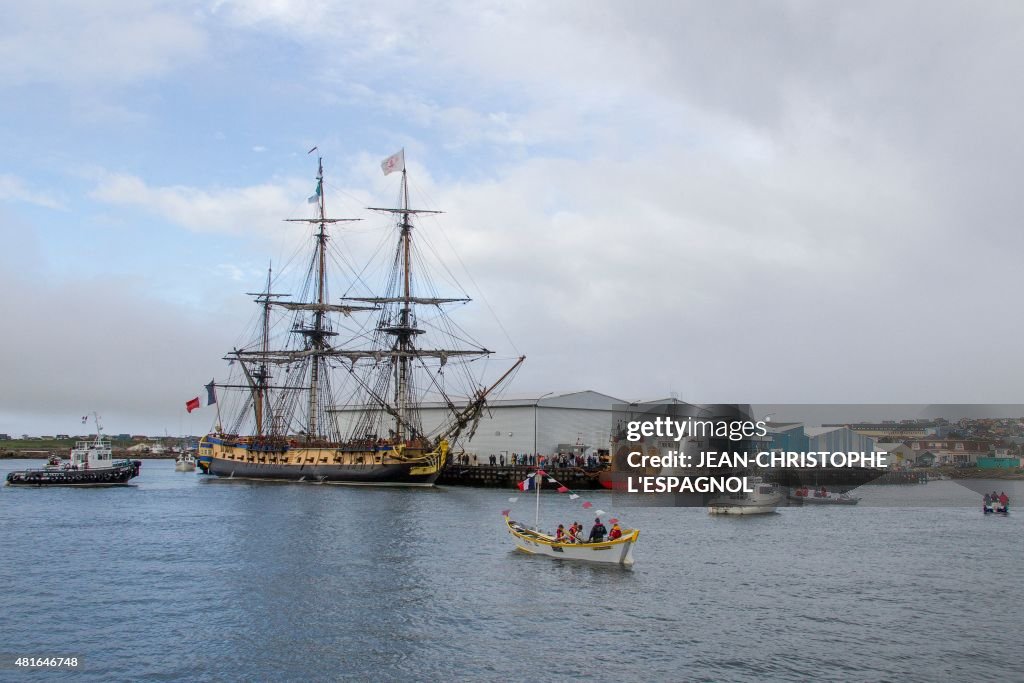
(261, 376)
(317, 336)
(406, 332)
(403, 350)
(258, 380)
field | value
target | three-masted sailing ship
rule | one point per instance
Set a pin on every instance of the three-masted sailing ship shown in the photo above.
(330, 390)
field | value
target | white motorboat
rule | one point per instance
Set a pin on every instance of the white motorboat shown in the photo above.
(762, 499)
(185, 462)
(821, 496)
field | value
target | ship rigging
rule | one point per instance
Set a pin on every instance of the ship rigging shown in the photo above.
(373, 354)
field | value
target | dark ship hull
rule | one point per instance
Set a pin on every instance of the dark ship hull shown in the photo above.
(367, 475)
(118, 475)
(384, 466)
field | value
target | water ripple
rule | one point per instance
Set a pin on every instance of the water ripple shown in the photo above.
(186, 578)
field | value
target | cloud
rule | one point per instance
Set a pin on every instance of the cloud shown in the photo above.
(98, 342)
(96, 43)
(234, 272)
(759, 203)
(243, 210)
(724, 277)
(13, 189)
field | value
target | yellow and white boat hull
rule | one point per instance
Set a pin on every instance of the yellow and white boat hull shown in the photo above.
(619, 551)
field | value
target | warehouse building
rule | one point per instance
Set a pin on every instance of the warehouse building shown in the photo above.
(832, 439)
(549, 423)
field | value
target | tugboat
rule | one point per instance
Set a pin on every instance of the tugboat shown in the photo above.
(91, 464)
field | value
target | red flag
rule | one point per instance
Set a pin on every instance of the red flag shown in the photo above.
(587, 505)
(563, 489)
(192, 404)
(505, 513)
(613, 520)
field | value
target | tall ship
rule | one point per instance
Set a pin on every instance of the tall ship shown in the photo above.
(328, 389)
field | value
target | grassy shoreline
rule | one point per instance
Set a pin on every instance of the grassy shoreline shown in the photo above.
(28, 449)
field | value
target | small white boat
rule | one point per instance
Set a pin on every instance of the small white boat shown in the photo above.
(764, 498)
(617, 551)
(822, 497)
(185, 462)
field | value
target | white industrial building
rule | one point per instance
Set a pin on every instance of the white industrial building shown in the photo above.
(543, 424)
(832, 439)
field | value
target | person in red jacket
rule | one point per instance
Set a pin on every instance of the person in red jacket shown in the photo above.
(616, 532)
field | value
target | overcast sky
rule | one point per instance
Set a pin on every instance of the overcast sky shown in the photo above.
(735, 201)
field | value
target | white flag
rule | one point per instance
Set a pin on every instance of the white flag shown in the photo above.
(573, 496)
(513, 499)
(395, 162)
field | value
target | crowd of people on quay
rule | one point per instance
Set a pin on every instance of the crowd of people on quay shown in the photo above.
(589, 462)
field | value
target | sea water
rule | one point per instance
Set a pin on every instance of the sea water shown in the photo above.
(185, 577)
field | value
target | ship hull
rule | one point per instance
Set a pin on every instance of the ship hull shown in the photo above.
(377, 467)
(367, 475)
(112, 476)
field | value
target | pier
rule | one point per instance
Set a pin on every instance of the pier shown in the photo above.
(507, 476)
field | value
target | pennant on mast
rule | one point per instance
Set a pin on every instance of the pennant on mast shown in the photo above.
(314, 198)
